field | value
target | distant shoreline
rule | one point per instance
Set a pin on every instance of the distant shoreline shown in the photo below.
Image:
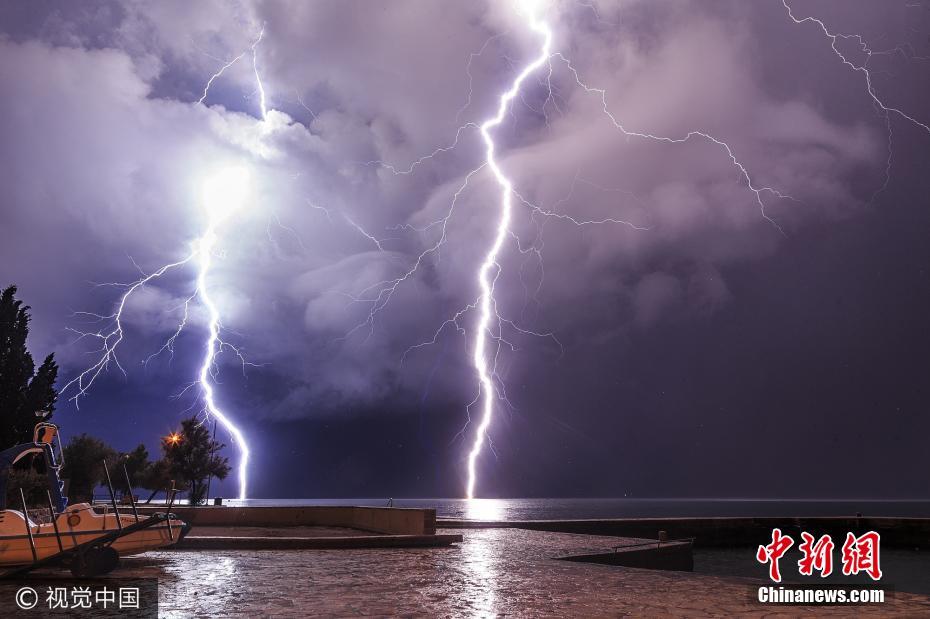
(614, 508)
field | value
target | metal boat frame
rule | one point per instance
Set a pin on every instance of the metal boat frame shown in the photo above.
(93, 557)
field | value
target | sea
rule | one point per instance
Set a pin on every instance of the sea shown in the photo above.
(603, 508)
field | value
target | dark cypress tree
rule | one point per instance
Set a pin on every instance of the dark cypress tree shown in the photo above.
(23, 390)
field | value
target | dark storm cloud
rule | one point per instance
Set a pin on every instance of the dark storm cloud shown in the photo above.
(384, 90)
(105, 146)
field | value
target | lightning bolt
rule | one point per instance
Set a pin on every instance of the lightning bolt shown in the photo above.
(112, 335)
(223, 194)
(490, 270)
(883, 110)
(484, 353)
(489, 338)
(863, 68)
(213, 347)
(217, 75)
(262, 102)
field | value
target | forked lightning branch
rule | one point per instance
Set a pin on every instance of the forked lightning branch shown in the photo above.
(224, 193)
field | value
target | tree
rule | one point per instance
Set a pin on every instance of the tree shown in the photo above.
(83, 467)
(136, 463)
(33, 482)
(142, 473)
(156, 477)
(191, 457)
(23, 390)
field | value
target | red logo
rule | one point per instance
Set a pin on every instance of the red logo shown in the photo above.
(773, 552)
(860, 554)
(817, 556)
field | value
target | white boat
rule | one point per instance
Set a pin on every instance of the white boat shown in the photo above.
(89, 539)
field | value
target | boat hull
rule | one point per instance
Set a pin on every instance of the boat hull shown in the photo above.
(79, 524)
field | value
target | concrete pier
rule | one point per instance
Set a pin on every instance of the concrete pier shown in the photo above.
(725, 532)
(235, 542)
(386, 520)
(310, 527)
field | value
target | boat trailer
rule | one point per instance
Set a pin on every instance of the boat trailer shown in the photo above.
(97, 556)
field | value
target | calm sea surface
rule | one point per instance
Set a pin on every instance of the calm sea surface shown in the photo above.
(566, 509)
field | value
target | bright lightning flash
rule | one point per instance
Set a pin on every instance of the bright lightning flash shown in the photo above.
(490, 269)
(489, 337)
(223, 195)
(485, 355)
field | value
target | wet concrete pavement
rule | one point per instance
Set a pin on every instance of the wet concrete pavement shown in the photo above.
(493, 572)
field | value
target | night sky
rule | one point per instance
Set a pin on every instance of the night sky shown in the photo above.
(707, 350)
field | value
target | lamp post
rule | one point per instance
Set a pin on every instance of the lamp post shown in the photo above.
(212, 450)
